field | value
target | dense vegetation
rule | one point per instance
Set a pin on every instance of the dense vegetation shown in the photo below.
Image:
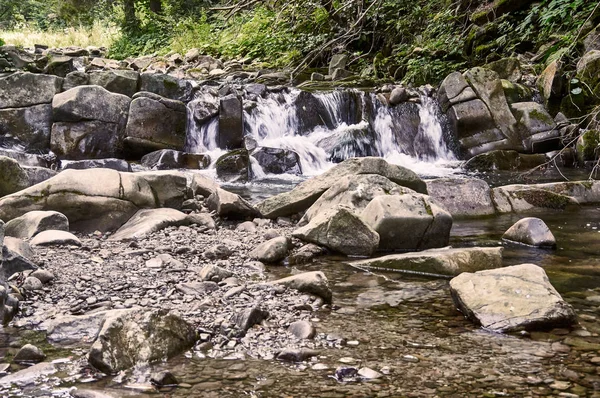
(413, 40)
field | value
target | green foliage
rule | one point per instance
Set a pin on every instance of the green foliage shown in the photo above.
(1, 42)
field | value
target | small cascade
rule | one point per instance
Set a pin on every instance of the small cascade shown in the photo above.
(326, 128)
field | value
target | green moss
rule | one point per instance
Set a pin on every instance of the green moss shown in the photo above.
(544, 199)
(543, 117)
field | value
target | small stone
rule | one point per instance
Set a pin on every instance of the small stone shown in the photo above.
(296, 354)
(302, 330)
(164, 378)
(369, 373)
(32, 283)
(410, 358)
(348, 360)
(29, 353)
(43, 275)
(247, 226)
(320, 366)
(560, 385)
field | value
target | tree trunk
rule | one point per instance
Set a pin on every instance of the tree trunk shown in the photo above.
(156, 6)
(131, 21)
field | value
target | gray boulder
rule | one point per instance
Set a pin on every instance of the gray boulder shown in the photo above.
(141, 336)
(92, 139)
(74, 79)
(155, 123)
(12, 176)
(167, 86)
(230, 205)
(29, 354)
(234, 166)
(52, 237)
(510, 299)
(340, 230)
(34, 222)
(35, 175)
(530, 231)
(445, 261)
(95, 199)
(8, 304)
(117, 81)
(231, 122)
(90, 103)
(354, 191)
(277, 160)
(314, 283)
(29, 126)
(302, 329)
(538, 129)
(462, 197)
(306, 193)
(18, 246)
(59, 66)
(168, 187)
(14, 262)
(20, 90)
(408, 222)
(271, 251)
(148, 221)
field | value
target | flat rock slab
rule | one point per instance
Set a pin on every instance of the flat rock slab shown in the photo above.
(530, 231)
(510, 299)
(147, 221)
(445, 261)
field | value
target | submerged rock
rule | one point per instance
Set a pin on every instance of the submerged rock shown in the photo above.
(135, 337)
(340, 230)
(511, 298)
(531, 231)
(444, 261)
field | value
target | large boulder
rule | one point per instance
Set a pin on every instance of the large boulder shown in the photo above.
(445, 261)
(117, 81)
(408, 222)
(230, 205)
(147, 221)
(462, 197)
(155, 123)
(139, 337)
(341, 230)
(234, 166)
(90, 103)
(510, 299)
(306, 193)
(169, 187)
(25, 110)
(95, 199)
(530, 231)
(167, 86)
(231, 122)
(354, 191)
(34, 222)
(277, 160)
(12, 176)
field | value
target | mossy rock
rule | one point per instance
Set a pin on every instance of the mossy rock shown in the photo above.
(504, 160)
(234, 166)
(587, 146)
(515, 92)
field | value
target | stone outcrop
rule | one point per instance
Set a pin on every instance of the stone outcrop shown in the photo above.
(511, 298)
(306, 193)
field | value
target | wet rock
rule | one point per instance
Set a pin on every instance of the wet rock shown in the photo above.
(55, 238)
(355, 192)
(345, 374)
(444, 261)
(32, 223)
(306, 193)
(109, 163)
(247, 318)
(135, 337)
(12, 176)
(271, 251)
(511, 298)
(231, 122)
(340, 230)
(462, 197)
(306, 254)
(164, 159)
(398, 95)
(277, 160)
(214, 273)
(531, 231)
(314, 283)
(505, 160)
(29, 353)
(296, 354)
(147, 221)
(95, 199)
(29, 126)
(302, 330)
(234, 166)
(408, 222)
(32, 284)
(164, 378)
(154, 123)
(78, 393)
(230, 205)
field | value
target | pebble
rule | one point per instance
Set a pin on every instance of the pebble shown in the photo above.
(319, 366)
(348, 360)
(560, 385)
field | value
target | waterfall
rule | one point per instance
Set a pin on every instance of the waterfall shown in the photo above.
(328, 127)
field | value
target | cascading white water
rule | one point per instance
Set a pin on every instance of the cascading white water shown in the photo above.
(344, 124)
